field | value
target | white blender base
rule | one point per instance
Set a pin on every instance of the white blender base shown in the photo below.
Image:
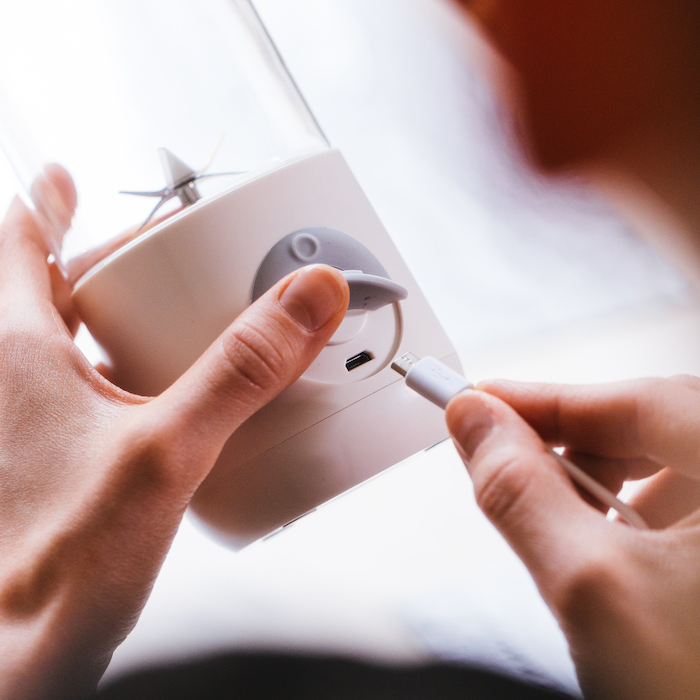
(157, 303)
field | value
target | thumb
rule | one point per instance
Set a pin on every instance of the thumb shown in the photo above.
(522, 489)
(261, 353)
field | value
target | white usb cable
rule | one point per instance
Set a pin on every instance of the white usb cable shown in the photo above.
(438, 383)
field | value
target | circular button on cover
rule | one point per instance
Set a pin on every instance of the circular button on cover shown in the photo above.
(372, 327)
(370, 285)
(305, 247)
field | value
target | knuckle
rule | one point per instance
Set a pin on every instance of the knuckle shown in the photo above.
(260, 358)
(147, 462)
(660, 408)
(594, 586)
(648, 389)
(688, 380)
(505, 480)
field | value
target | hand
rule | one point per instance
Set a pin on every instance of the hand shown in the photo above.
(627, 600)
(93, 480)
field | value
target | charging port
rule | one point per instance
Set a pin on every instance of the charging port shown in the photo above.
(358, 360)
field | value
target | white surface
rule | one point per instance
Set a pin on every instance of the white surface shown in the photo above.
(532, 281)
(435, 382)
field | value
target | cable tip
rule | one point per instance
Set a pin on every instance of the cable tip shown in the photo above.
(404, 362)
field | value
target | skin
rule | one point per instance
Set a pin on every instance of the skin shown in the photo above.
(612, 81)
(94, 481)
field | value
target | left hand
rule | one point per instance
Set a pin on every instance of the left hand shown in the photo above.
(93, 480)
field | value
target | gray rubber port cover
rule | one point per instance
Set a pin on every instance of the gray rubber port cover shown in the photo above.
(370, 285)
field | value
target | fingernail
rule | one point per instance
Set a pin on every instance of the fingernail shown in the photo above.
(470, 421)
(313, 297)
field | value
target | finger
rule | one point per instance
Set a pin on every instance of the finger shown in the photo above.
(261, 353)
(610, 473)
(644, 419)
(63, 301)
(55, 198)
(667, 499)
(689, 380)
(23, 270)
(521, 488)
(27, 238)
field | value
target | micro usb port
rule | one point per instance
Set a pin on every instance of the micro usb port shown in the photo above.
(358, 360)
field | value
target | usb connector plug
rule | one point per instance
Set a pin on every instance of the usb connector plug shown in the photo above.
(431, 378)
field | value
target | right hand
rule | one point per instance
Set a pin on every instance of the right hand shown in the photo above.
(627, 600)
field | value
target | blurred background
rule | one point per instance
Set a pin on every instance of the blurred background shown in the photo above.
(533, 278)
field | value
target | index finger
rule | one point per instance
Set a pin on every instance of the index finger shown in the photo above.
(524, 491)
(23, 255)
(652, 419)
(27, 237)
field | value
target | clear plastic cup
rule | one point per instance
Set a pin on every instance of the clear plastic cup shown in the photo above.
(103, 86)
